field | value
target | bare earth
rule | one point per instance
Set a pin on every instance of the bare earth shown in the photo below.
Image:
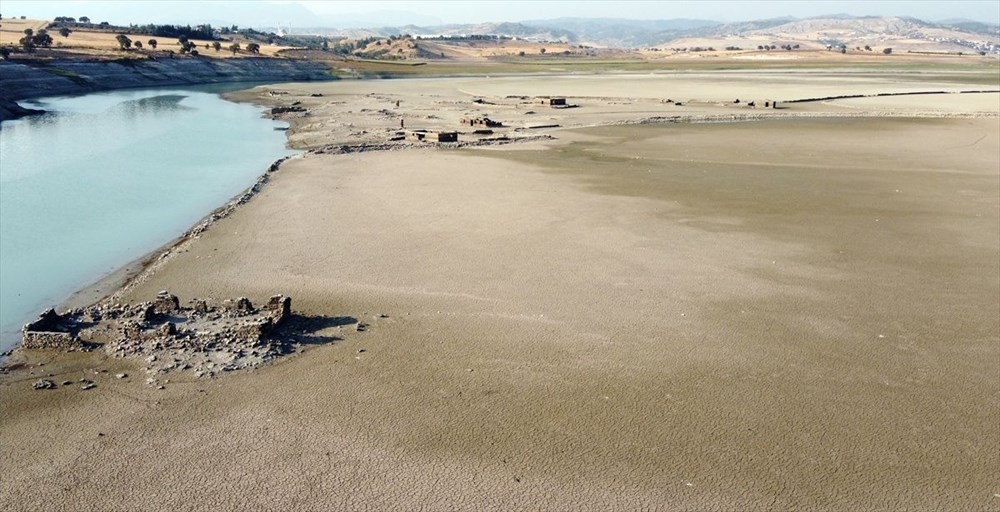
(785, 314)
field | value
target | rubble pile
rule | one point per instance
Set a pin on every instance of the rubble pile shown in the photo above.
(201, 338)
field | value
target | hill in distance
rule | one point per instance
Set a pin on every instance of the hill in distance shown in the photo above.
(817, 32)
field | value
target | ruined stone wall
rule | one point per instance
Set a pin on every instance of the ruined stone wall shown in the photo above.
(49, 340)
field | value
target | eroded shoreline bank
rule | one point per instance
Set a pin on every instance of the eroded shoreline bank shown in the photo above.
(29, 80)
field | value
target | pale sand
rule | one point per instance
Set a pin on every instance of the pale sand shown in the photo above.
(366, 111)
(785, 315)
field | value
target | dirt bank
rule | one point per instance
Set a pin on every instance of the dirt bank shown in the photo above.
(33, 79)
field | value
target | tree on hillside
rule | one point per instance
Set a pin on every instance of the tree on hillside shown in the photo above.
(217, 45)
(84, 19)
(4, 52)
(65, 32)
(138, 45)
(42, 38)
(152, 43)
(123, 41)
(253, 48)
(187, 46)
(235, 47)
(542, 51)
(27, 42)
(887, 51)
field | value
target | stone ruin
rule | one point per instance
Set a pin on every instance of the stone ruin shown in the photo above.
(482, 121)
(202, 338)
(50, 331)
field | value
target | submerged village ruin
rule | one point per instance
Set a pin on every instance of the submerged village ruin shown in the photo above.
(167, 336)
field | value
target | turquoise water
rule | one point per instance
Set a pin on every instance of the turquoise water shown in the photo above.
(105, 178)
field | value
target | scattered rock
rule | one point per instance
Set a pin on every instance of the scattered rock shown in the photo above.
(89, 385)
(44, 384)
(121, 375)
(283, 110)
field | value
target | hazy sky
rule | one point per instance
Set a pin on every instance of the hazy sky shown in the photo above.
(373, 13)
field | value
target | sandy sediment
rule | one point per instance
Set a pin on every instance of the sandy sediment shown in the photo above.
(784, 314)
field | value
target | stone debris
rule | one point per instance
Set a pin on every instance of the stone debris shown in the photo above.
(284, 110)
(88, 385)
(44, 384)
(167, 337)
(341, 148)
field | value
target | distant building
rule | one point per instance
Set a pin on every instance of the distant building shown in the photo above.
(426, 136)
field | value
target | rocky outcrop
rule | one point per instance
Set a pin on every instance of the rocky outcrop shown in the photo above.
(23, 79)
(11, 110)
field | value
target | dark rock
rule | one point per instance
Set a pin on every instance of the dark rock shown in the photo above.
(11, 110)
(283, 110)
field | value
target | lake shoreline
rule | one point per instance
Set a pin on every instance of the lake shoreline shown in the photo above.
(110, 271)
(119, 280)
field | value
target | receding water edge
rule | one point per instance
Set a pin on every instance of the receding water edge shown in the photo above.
(91, 188)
